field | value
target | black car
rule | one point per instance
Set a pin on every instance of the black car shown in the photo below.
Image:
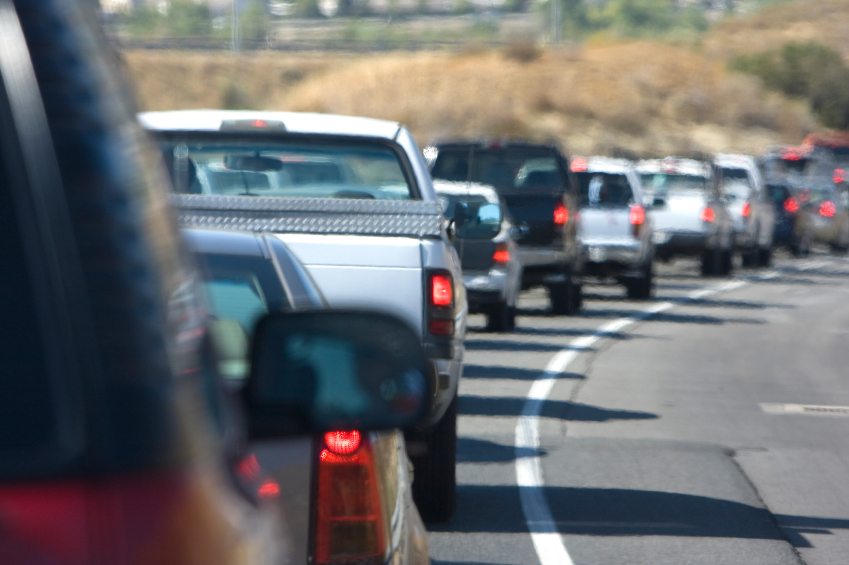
(535, 183)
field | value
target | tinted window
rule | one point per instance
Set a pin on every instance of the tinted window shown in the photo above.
(609, 190)
(503, 168)
(288, 169)
(240, 290)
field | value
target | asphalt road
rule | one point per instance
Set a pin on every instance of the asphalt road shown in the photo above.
(713, 431)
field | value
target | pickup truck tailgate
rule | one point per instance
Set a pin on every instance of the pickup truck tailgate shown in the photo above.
(364, 272)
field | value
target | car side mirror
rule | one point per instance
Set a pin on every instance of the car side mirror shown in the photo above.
(319, 371)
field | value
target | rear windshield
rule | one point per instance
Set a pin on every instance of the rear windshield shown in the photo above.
(736, 183)
(608, 190)
(240, 290)
(288, 169)
(663, 182)
(501, 168)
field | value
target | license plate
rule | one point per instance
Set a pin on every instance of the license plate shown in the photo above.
(596, 254)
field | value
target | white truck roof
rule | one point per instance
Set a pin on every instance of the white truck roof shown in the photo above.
(294, 122)
(460, 188)
(674, 166)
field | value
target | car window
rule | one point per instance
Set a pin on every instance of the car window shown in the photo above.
(736, 183)
(608, 190)
(500, 168)
(287, 169)
(240, 290)
(663, 182)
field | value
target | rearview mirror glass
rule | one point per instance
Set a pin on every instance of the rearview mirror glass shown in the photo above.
(480, 220)
(335, 370)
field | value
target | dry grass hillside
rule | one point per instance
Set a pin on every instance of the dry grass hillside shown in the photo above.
(824, 21)
(646, 98)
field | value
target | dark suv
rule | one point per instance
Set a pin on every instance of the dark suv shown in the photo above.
(535, 183)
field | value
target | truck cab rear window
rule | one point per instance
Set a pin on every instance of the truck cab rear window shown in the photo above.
(287, 169)
(607, 190)
(501, 168)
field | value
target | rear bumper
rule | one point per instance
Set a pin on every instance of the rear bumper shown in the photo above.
(668, 243)
(483, 289)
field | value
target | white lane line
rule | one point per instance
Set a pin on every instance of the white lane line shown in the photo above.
(546, 539)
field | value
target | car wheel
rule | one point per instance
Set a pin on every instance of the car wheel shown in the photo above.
(562, 298)
(801, 247)
(434, 472)
(841, 243)
(500, 317)
(727, 262)
(577, 297)
(711, 262)
(764, 257)
(641, 288)
(749, 257)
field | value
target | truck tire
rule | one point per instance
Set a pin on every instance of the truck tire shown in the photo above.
(564, 301)
(749, 257)
(434, 472)
(500, 317)
(641, 288)
(727, 263)
(710, 264)
(764, 257)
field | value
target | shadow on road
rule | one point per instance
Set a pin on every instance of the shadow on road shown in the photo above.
(561, 409)
(471, 450)
(475, 344)
(624, 512)
(517, 373)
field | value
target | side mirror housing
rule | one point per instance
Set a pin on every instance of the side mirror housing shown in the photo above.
(326, 370)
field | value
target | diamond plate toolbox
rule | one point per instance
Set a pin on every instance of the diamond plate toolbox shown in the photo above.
(401, 218)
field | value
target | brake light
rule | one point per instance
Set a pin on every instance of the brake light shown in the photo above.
(561, 214)
(579, 165)
(269, 489)
(502, 254)
(349, 522)
(441, 290)
(839, 176)
(827, 209)
(343, 443)
(707, 215)
(638, 215)
(791, 206)
(440, 312)
(747, 209)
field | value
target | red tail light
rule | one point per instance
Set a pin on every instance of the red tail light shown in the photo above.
(638, 215)
(791, 206)
(707, 215)
(747, 209)
(579, 165)
(441, 290)
(561, 214)
(350, 527)
(502, 254)
(827, 209)
(839, 176)
(343, 443)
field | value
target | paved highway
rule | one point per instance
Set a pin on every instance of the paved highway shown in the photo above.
(708, 426)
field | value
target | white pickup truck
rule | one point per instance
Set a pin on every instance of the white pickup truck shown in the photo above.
(353, 200)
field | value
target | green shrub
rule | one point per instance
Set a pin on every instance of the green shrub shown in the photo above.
(804, 70)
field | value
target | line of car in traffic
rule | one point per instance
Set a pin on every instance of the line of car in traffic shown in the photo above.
(305, 211)
(277, 382)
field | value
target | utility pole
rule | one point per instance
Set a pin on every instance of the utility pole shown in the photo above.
(236, 29)
(556, 24)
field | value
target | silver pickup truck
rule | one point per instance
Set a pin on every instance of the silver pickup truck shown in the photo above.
(689, 211)
(353, 201)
